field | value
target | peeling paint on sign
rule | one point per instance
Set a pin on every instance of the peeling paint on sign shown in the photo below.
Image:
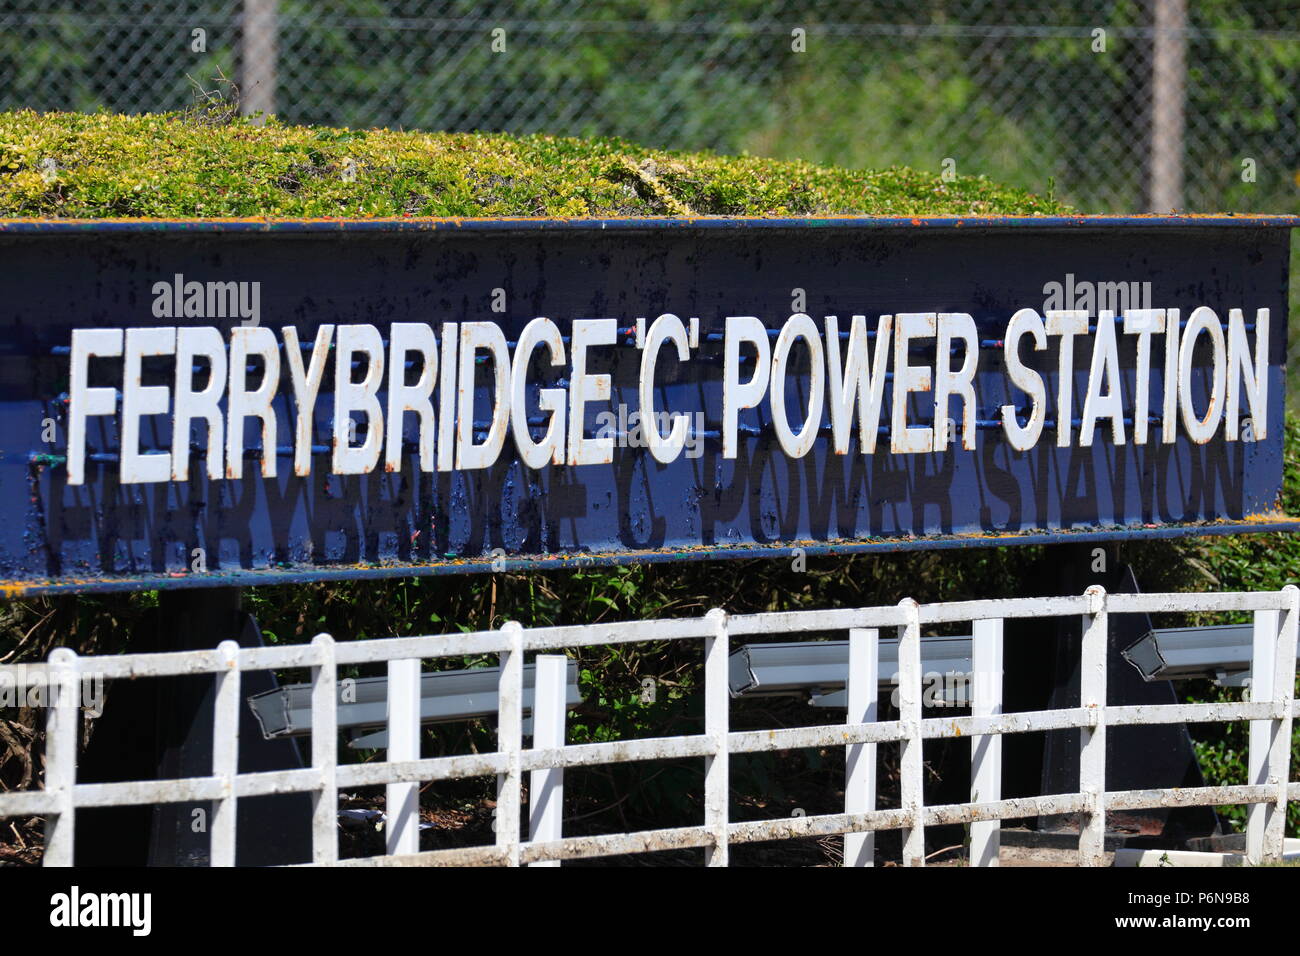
(288, 403)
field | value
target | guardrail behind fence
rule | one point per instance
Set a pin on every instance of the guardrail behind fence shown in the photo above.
(1271, 709)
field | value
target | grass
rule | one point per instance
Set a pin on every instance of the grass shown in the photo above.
(210, 164)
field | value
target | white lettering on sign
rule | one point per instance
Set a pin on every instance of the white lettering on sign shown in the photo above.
(1024, 437)
(221, 390)
(857, 377)
(666, 328)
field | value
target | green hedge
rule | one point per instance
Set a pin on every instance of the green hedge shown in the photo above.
(208, 163)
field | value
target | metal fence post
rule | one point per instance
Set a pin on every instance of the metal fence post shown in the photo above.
(325, 753)
(403, 801)
(259, 39)
(510, 694)
(61, 755)
(1262, 674)
(1284, 683)
(1092, 749)
(911, 766)
(225, 756)
(1168, 105)
(1272, 679)
(546, 787)
(717, 702)
(860, 759)
(986, 750)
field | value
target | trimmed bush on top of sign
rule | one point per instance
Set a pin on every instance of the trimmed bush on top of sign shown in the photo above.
(182, 166)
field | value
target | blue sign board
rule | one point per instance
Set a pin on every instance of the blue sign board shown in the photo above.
(237, 402)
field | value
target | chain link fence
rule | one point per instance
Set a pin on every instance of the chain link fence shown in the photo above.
(1114, 107)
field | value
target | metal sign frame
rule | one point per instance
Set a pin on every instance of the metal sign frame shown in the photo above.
(80, 513)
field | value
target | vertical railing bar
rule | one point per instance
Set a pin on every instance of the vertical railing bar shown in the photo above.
(225, 756)
(1284, 693)
(325, 754)
(402, 804)
(1267, 625)
(986, 750)
(1273, 680)
(510, 694)
(863, 692)
(1092, 750)
(546, 787)
(717, 701)
(911, 764)
(61, 756)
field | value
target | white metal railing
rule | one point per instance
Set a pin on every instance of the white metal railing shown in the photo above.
(1270, 709)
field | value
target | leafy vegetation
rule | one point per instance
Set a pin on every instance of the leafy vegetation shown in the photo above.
(74, 165)
(1265, 562)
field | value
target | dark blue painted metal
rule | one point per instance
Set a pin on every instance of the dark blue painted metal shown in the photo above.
(56, 276)
(748, 223)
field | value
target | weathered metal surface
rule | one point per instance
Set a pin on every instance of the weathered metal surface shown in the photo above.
(717, 721)
(862, 708)
(1219, 652)
(33, 803)
(414, 771)
(550, 717)
(824, 824)
(986, 750)
(1277, 616)
(1183, 652)
(151, 791)
(830, 735)
(363, 702)
(510, 693)
(526, 223)
(911, 797)
(267, 782)
(225, 755)
(461, 856)
(1127, 715)
(615, 844)
(800, 668)
(325, 754)
(1020, 722)
(1092, 745)
(1189, 796)
(1015, 808)
(307, 522)
(618, 751)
